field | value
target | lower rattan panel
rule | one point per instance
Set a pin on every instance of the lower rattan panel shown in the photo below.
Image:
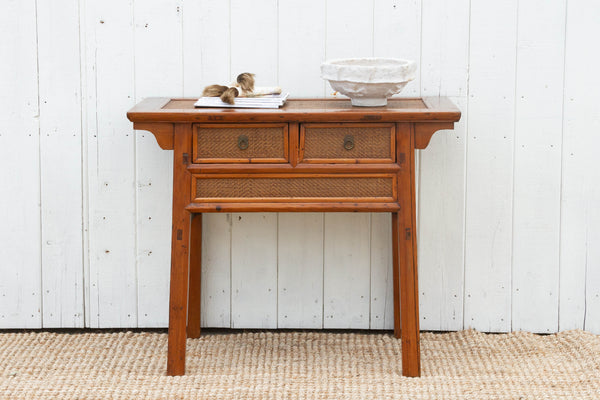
(271, 188)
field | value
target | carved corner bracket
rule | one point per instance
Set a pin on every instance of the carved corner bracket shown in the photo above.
(162, 131)
(425, 130)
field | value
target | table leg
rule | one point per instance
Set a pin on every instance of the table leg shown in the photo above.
(180, 241)
(409, 303)
(193, 326)
(405, 257)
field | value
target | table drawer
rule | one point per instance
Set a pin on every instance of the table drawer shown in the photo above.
(298, 187)
(247, 143)
(347, 143)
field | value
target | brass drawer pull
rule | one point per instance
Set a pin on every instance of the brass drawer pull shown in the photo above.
(243, 142)
(348, 142)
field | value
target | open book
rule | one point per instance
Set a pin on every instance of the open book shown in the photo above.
(265, 101)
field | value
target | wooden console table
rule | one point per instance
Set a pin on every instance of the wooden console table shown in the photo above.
(310, 155)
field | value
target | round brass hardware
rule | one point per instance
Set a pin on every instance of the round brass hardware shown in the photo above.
(349, 142)
(243, 142)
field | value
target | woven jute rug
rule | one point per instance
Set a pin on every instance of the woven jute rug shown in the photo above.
(299, 365)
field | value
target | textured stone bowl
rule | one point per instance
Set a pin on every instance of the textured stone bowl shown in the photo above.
(368, 81)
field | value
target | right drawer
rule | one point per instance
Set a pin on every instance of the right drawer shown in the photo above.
(347, 143)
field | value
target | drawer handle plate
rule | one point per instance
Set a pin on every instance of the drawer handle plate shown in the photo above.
(243, 142)
(348, 142)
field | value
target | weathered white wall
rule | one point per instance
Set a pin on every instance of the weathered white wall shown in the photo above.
(509, 202)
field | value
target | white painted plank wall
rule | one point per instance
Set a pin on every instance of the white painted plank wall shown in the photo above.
(254, 235)
(509, 220)
(444, 72)
(396, 33)
(489, 166)
(110, 165)
(300, 270)
(579, 305)
(300, 236)
(382, 278)
(346, 296)
(60, 106)
(206, 58)
(20, 222)
(89, 132)
(158, 69)
(537, 165)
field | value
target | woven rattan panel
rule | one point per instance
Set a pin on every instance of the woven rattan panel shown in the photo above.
(302, 187)
(222, 143)
(328, 142)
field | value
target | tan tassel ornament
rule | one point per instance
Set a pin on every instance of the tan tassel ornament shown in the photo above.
(243, 87)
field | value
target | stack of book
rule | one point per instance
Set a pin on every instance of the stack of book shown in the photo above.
(265, 101)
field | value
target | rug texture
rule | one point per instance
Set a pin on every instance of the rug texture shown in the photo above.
(299, 365)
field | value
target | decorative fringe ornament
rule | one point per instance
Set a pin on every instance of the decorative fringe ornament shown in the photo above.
(214, 90)
(229, 95)
(243, 87)
(246, 81)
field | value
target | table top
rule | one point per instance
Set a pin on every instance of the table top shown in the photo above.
(162, 109)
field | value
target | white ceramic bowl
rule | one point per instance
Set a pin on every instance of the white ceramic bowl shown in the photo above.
(368, 81)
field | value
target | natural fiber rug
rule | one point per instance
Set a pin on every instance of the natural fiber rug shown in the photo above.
(299, 365)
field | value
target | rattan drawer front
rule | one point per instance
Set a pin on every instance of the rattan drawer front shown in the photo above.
(347, 143)
(247, 143)
(299, 188)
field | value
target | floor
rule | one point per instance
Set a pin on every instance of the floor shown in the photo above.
(298, 365)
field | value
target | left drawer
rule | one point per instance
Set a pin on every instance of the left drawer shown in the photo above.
(247, 143)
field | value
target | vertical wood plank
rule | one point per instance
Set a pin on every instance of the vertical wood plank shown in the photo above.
(346, 282)
(441, 228)
(537, 166)
(206, 40)
(349, 29)
(397, 34)
(444, 72)
(300, 236)
(158, 71)
(445, 48)
(254, 40)
(20, 225)
(110, 165)
(87, 38)
(349, 32)
(488, 224)
(300, 270)
(216, 271)
(206, 61)
(396, 275)
(302, 28)
(254, 236)
(195, 281)
(254, 270)
(580, 216)
(382, 282)
(60, 164)
(346, 271)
